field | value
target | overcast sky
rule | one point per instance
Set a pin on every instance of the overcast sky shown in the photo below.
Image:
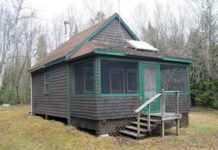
(48, 9)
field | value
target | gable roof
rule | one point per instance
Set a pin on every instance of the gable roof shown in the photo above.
(66, 50)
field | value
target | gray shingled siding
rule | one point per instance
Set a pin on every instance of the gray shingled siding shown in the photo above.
(54, 104)
(184, 103)
(112, 34)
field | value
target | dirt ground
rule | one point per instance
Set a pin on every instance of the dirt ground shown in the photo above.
(21, 131)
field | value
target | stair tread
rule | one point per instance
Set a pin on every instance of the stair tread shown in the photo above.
(152, 120)
(135, 128)
(130, 133)
(142, 124)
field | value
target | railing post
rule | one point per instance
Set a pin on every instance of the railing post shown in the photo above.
(177, 112)
(177, 102)
(149, 118)
(162, 102)
(138, 123)
(162, 112)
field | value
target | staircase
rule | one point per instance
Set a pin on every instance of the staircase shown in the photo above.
(146, 123)
(155, 120)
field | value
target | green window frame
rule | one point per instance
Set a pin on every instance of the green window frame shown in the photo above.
(187, 78)
(99, 77)
(46, 83)
(72, 86)
(139, 75)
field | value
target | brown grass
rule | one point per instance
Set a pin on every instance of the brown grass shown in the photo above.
(20, 131)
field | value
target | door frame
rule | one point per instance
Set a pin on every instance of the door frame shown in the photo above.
(158, 83)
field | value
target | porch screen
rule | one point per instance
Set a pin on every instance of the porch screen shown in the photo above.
(173, 78)
(83, 78)
(118, 77)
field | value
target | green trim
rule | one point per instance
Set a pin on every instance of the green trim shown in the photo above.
(68, 96)
(167, 58)
(118, 59)
(71, 82)
(127, 28)
(187, 78)
(141, 75)
(98, 30)
(47, 93)
(99, 78)
(158, 83)
(121, 94)
(109, 52)
(54, 62)
(83, 95)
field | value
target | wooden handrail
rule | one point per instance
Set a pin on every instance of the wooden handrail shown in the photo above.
(147, 102)
(171, 91)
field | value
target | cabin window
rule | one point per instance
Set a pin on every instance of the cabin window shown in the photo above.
(46, 83)
(119, 77)
(83, 78)
(174, 78)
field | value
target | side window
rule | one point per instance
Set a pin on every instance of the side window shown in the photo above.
(46, 83)
(83, 78)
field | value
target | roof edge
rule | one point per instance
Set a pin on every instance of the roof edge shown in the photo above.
(98, 30)
(182, 60)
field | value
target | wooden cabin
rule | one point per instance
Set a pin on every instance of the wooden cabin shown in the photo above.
(102, 80)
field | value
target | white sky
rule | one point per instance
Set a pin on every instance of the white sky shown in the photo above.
(47, 9)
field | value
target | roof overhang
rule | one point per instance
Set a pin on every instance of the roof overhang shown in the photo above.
(181, 60)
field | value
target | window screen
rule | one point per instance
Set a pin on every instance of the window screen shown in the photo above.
(46, 83)
(173, 78)
(83, 78)
(119, 77)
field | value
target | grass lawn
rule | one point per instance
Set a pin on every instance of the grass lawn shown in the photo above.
(20, 131)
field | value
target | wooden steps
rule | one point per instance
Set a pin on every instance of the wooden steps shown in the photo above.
(131, 134)
(155, 119)
(152, 120)
(142, 124)
(142, 130)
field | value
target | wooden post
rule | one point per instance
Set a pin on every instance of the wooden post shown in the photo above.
(162, 102)
(149, 118)
(177, 126)
(162, 130)
(177, 102)
(138, 123)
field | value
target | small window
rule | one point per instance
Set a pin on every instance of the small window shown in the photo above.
(132, 81)
(46, 83)
(83, 78)
(116, 81)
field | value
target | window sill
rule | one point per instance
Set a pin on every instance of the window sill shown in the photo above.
(83, 95)
(111, 95)
(179, 94)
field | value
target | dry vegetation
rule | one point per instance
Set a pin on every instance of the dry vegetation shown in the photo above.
(18, 130)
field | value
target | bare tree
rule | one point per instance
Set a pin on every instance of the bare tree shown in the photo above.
(98, 10)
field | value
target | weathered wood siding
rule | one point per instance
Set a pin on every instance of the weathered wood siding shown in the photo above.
(112, 33)
(184, 103)
(103, 108)
(54, 104)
